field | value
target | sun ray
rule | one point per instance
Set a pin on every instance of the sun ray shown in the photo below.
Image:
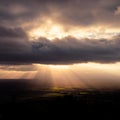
(84, 76)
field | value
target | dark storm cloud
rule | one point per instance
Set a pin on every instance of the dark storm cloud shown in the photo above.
(71, 50)
(11, 33)
(15, 48)
(13, 40)
(66, 12)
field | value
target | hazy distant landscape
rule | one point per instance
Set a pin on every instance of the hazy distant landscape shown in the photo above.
(20, 99)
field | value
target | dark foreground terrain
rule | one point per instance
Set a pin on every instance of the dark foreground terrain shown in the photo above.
(19, 102)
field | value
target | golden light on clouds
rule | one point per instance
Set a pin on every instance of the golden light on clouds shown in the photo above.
(52, 30)
(49, 30)
(58, 42)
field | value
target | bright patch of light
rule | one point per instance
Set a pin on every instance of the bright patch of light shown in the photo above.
(48, 30)
(59, 67)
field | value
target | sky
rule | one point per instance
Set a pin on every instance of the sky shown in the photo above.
(72, 43)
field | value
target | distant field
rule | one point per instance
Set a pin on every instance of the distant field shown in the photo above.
(16, 100)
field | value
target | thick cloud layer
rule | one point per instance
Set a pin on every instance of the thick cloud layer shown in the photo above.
(13, 40)
(66, 12)
(15, 48)
(19, 16)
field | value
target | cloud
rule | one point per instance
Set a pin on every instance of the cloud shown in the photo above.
(13, 40)
(23, 68)
(16, 48)
(10, 32)
(70, 50)
(16, 17)
(117, 12)
(65, 12)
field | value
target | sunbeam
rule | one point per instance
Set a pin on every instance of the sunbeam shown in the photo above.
(83, 76)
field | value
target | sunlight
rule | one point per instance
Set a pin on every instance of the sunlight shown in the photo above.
(49, 30)
(59, 67)
(52, 30)
(90, 75)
